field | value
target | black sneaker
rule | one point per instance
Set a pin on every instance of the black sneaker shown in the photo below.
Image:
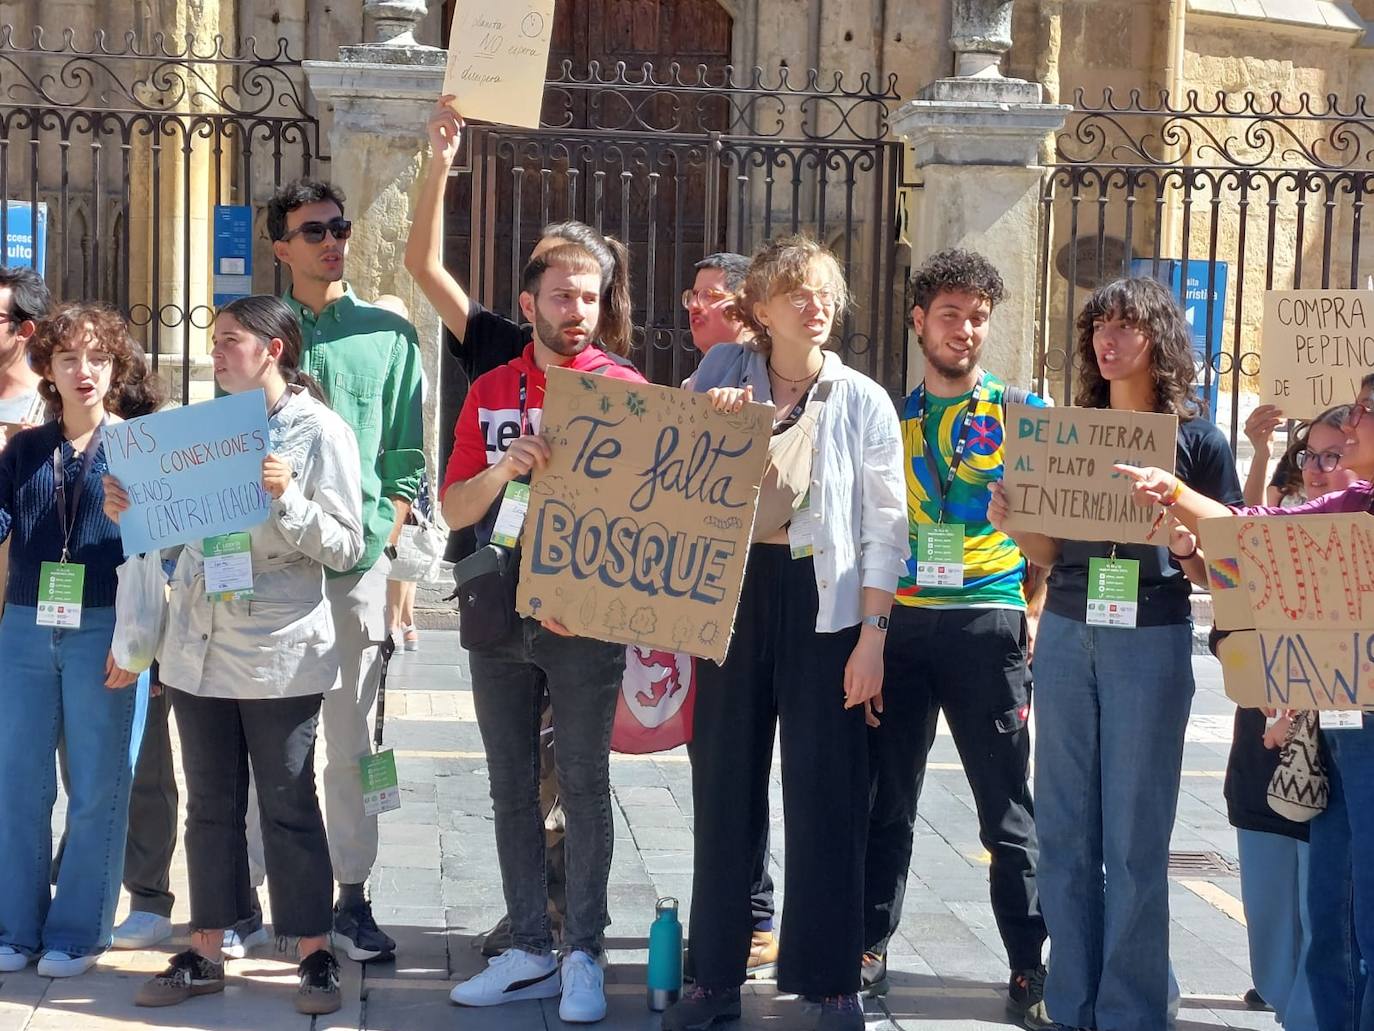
(700, 1007)
(189, 974)
(1026, 998)
(319, 988)
(359, 935)
(1255, 1001)
(873, 976)
(841, 1013)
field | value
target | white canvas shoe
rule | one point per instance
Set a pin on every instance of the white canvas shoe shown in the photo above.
(142, 931)
(510, 977)
(59, 964)
(584, 990)
(12, 960)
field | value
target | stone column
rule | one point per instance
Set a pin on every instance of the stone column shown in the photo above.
(975, 140)
(381, 94)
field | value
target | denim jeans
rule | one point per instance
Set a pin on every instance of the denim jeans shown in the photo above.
(53, 687)
(1111, 708)
(1340, 890)
(583, 678)
(1273, 888)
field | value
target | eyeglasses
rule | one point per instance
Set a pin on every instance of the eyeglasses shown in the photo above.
(707, 298)
(1357, 412)
(313, 232)
(1326, 461)
(799, 299)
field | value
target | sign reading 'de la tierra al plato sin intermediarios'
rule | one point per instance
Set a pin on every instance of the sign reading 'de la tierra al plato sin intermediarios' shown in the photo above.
(638, 527)
(191, 472)
(1316, 347)
(1297, 592)
(1059, 476)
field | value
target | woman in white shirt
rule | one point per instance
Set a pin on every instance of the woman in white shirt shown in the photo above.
(247, 671)
(829, 542)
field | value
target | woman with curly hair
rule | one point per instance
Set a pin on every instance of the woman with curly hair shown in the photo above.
(1111, 703)
(60, 681)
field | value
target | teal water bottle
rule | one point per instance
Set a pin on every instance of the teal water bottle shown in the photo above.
(665, 956)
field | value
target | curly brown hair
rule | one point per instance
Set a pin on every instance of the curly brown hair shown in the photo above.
(1149, 306)
(66, 329)
(781, 266)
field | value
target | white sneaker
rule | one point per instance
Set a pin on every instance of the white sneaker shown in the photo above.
(511, 976)
(584, 990)
(142, 931)
(237, 948)
(59, 964)
(12, 960)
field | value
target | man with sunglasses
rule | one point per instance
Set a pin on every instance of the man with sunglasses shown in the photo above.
(368, 361)
(711, 299)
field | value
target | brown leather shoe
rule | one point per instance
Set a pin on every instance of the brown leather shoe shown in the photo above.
(763, 955)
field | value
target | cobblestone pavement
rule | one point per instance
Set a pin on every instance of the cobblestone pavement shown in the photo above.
(437, 888)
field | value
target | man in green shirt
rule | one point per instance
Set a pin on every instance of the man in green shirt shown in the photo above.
(368, 362)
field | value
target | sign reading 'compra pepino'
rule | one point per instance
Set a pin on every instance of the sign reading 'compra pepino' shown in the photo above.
(639, 526)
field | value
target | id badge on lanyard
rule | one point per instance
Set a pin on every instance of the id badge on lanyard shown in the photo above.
(1113, 591)
(940, 545)
(61, 585)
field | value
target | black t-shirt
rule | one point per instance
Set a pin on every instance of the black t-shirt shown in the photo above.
(1204, 463)
(491, 341)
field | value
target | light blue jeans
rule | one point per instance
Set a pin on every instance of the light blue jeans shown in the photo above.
(1111, 708)
(52, 685)
(1273, 888)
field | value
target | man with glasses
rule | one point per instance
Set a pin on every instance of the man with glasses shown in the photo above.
(368, 361)
(711, 300)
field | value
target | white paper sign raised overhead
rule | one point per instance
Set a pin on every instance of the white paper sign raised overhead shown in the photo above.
(498, 56)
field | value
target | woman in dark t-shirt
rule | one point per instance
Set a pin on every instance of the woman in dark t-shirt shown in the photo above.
(1112, 702)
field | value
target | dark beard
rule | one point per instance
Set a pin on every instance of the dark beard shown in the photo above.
(944, 369)
(551, 336)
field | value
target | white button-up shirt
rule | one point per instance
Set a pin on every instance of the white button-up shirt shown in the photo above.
(858, 493)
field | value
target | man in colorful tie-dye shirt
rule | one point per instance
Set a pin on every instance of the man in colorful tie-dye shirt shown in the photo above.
(957, 641)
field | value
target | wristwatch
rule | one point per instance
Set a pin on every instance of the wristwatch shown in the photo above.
(880, 622)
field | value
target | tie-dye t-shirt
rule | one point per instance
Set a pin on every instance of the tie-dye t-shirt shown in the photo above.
(993, 565)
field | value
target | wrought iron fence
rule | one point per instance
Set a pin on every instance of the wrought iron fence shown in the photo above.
(679, 163)
(1223, 198)
(124, 147)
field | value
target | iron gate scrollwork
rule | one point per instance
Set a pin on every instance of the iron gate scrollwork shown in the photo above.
(1243, 191)
(679, 163)
(130, 143)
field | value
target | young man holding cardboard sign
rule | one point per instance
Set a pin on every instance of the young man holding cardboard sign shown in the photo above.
(496, 446)
(959, 636)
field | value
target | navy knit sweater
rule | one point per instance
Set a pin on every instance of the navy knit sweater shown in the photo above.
(28, 517)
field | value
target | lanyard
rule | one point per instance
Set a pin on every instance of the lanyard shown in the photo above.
(59, 477)
(960, 440)
(524, 396)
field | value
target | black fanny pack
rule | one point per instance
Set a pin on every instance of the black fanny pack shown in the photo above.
(486, 581)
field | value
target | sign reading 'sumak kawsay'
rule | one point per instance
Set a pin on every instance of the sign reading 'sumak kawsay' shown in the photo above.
(638, 527)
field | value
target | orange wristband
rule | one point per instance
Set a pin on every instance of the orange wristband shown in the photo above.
(1174, 495)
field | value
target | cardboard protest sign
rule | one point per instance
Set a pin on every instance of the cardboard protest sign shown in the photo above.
(1058, 470)
(1300, 591)
(639, 526)
(1316, 347)
(190, 472)
(498, 55)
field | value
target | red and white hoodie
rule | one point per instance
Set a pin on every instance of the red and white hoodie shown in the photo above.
(490, 419)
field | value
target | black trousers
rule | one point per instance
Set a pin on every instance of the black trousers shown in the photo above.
(971, 663)
(219, 737)
(152, 816)
(780, 674)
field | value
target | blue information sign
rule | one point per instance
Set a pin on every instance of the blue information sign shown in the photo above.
(26, 236)
(233, 252)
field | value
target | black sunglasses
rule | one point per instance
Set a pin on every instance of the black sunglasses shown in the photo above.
(313, 232)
